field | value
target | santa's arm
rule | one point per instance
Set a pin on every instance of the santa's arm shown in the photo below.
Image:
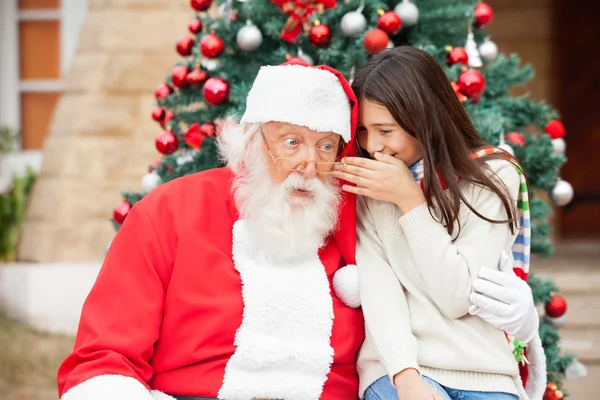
(121, 318)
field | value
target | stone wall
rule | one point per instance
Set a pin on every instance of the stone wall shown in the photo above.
(101, 138)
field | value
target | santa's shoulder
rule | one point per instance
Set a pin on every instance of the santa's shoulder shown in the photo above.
(213, 185)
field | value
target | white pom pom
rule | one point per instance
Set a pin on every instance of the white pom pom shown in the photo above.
(345, 285)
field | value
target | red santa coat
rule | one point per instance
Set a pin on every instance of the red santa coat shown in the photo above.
(185, 305)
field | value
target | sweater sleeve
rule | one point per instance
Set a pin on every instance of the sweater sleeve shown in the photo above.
(121, 318)
(448, 268)
(383, 300)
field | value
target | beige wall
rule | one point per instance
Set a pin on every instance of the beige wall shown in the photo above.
(102, 137)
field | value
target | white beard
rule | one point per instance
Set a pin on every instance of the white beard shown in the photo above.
(285, 226)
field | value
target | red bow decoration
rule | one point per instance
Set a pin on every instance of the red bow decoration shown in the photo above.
(298, 12)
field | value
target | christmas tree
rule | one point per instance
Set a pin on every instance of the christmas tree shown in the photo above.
(222, 54)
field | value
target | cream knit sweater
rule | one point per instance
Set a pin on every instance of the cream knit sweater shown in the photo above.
(415, 282)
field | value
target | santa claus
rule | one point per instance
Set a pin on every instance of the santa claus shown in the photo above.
(221, 284)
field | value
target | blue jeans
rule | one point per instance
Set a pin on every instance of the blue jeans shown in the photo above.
(382, 389)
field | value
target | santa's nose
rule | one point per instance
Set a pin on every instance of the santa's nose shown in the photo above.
(310, 170)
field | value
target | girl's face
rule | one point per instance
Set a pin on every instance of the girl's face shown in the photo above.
(379, 132)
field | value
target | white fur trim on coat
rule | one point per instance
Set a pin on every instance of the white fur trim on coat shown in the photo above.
(114, 387)
(299, 95)
(345, 285)
(283, 345)
(536, 378)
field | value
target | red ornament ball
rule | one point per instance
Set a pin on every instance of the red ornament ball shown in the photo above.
(390, 23)
(184, 46)
(158, 114)
(457, 55)
(375, 40)
(553, 392)
(320, 35)
(120, 212)
(200, 5)
(166, 142)
(515, 138)
(197, 77)
(212, 46)
(459, 95)
(556, 307)
(471, 83)
(167, 118)
(162, 91)
(216, 91)
(555, 129)
(483, 15)
(195, 26)
(179, 76)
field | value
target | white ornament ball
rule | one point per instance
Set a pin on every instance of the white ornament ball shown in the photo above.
(390, 45)
(345, 285)
(249, 38)
(559, 146)
(210, 63)
(184, 159)
(353, 23)
(562, 194)
(488, 51)
(150, 181)
(557, 323)
(408, 13)
(508, 148)
(576, 370)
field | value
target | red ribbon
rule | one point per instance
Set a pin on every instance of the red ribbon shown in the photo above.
(298, 12)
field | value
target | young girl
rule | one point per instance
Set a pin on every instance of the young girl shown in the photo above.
(436, 205)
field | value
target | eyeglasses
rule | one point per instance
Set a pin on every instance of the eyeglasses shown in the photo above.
(292, 164)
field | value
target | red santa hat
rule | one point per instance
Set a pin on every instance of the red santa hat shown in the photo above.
(321, 99)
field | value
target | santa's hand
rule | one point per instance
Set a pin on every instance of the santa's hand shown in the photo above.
(505, 301)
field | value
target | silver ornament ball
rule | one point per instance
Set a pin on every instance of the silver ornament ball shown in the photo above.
(488, 51)
(150, 181)
(557, 323)
(408, 13)
(562, 194)
(559, 146)
(353, 23)
(249, 38)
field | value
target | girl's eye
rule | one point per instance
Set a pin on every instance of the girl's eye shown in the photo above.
(384, 131)
(291, 142)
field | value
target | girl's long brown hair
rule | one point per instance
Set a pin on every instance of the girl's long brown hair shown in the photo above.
(414, 88)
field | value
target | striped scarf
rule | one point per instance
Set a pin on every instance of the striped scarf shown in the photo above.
(521, 248)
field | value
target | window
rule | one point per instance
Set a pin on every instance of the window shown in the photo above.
(38, 41)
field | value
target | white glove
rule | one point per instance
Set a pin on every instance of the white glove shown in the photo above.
(505, 301)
